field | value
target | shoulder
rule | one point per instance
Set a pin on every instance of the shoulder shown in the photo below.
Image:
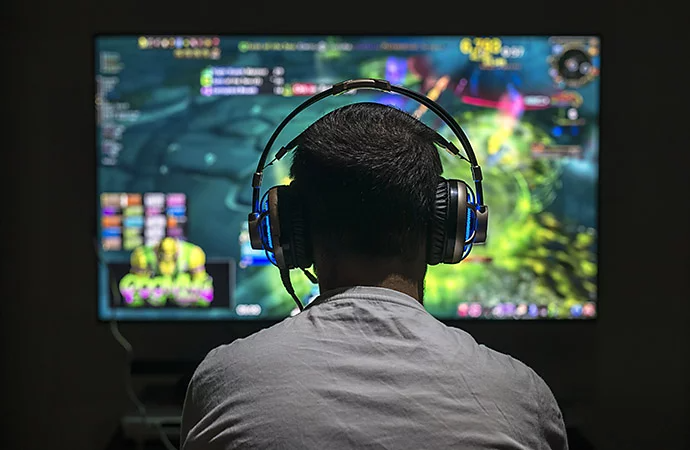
(237, 365)
(515, 383)
(498, 370)
(214, 377)
(512, 374)
(243, 354)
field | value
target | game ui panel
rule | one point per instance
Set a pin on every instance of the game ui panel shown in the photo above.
(182, 119)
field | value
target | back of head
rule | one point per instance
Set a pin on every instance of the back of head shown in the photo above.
(367, 175)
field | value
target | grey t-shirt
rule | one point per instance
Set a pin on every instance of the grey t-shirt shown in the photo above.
(367, 368)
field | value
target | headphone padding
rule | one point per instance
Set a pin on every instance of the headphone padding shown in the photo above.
(300, 240)
(293, 232)
(273, 233)
(436, 242)
(456, 222)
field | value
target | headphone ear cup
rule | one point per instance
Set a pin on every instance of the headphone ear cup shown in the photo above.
(457, 222)
(436, 240)
(294, 242)
(271, 226)
(449, 223)
(296, 239)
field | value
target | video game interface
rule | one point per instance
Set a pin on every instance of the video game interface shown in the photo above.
(181, 122)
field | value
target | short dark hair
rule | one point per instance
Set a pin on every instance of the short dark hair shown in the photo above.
(367, 174)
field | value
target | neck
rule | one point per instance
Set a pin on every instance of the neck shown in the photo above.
(394, 276)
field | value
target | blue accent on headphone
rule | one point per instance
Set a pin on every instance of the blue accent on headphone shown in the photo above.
(265, 230)
(471, 225)
(259, 221)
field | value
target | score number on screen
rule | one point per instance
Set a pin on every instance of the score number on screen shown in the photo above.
(490, 52)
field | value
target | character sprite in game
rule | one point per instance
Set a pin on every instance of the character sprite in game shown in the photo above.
(171, 270)
(169, 258)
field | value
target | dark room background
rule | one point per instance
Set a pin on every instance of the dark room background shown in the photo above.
(622, 380)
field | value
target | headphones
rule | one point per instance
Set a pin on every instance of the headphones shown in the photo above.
(277, 223)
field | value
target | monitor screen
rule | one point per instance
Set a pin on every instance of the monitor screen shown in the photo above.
(181, 122)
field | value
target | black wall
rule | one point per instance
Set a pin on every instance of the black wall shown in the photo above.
(622, 378)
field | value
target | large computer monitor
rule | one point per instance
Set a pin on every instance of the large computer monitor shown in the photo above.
(182, 119)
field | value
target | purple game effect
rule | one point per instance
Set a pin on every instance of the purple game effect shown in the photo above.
(180, 290)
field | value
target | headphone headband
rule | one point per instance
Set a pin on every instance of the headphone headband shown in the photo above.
(277, 223)
(379, 85)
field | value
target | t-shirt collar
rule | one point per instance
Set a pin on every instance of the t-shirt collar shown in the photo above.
(366, 293)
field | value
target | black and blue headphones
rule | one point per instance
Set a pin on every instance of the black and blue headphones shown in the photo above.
(277, 224)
